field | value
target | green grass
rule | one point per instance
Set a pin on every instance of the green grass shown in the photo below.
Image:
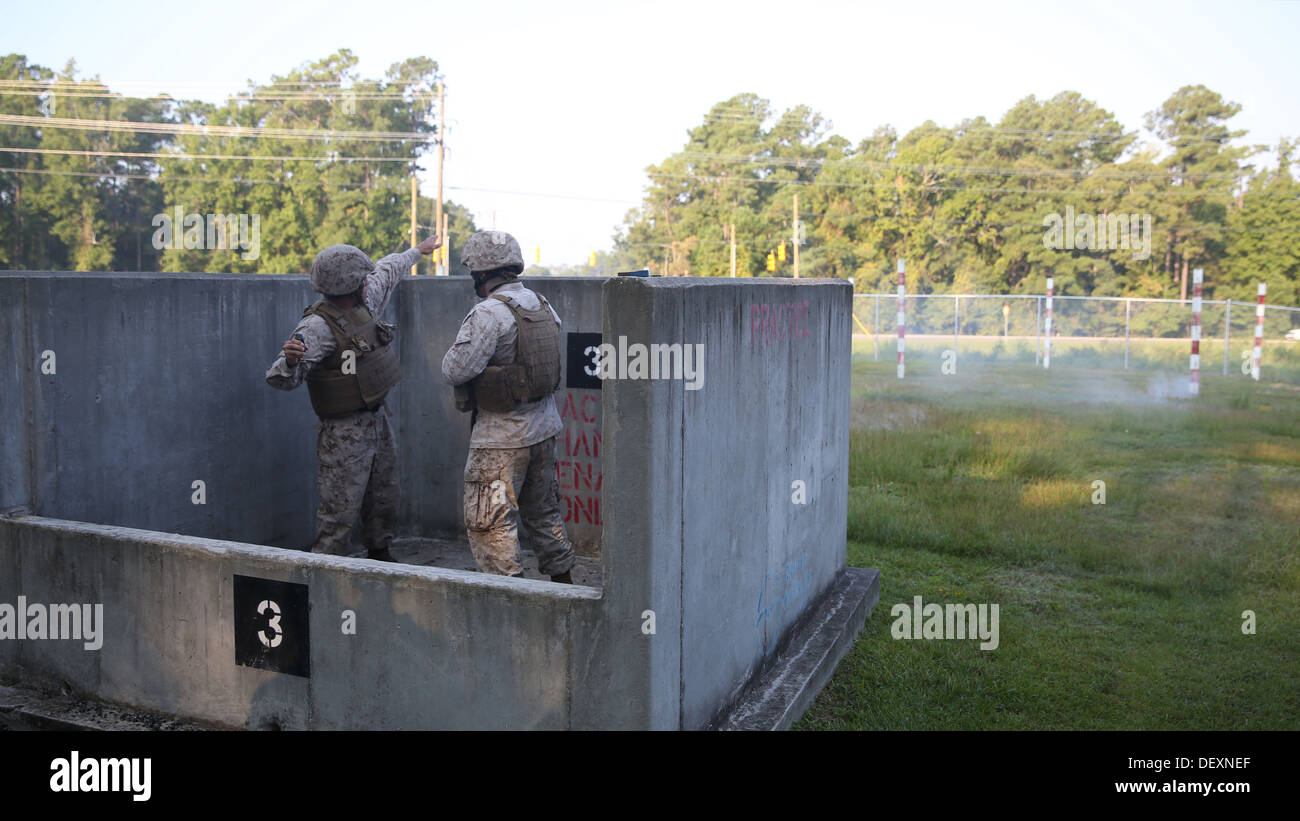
(978, 488)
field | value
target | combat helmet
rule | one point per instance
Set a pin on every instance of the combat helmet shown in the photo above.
(340, 270)
(489, 253)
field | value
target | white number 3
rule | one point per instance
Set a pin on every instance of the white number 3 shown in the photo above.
(273, 624)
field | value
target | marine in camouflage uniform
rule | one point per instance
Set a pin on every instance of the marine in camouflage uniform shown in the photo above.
(508, 380)
(355, 444)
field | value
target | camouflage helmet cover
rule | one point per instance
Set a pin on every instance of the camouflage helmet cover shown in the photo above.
(490, 250)
(340, 269)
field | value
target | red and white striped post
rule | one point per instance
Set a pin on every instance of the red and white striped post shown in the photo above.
(1047, 328)
(1197, 275)
(902, 323)
(1259, 334)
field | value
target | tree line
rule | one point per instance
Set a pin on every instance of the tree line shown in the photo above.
(980, 207)
(1054, 187)
(80, 192)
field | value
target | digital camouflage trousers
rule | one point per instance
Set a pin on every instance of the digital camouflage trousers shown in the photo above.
(357, 477)
(512, 489)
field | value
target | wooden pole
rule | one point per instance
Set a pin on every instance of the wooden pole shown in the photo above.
(437, 203)
(796, 236)
(445, 266)
(414, 194)
(733, 249)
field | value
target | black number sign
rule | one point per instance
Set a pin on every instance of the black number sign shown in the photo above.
(583, 365)
(271, 626)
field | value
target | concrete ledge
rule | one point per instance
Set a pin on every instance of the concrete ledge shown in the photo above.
(301, 560)
(500, 650)
(801, 669)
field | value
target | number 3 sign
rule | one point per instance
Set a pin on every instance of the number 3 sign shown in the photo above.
(271, 625)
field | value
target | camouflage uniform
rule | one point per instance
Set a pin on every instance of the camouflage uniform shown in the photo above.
(510, 473)
(357, 453)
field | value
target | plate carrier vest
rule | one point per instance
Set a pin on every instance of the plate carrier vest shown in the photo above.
(535, 373)
(336, 394)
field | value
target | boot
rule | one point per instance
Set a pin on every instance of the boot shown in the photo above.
(380, 555)
(562, 578)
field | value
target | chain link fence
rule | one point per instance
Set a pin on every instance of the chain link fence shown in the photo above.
(1087, 332)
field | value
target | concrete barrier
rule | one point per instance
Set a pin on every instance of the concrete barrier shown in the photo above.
(720, 530)
(132, 387)
(432, 648)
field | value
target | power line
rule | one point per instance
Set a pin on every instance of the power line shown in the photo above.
(378, 182)
(55, 84)
(345, 95)
(210, 130)
(386, 182)
(186, 156)
(332, 96)
(540, 194)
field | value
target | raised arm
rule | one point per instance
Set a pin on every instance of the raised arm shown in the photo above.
(389, 271)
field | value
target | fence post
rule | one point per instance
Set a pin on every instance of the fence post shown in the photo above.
(1038, 329)
(875, 329)
(1259, 333)
(956, 322)
(1047, 329)
(1227, 326)
(902, 289)
(1195, 363)
(1128, 311)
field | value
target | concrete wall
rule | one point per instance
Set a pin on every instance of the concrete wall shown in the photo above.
(699, 529)
(158, 383)
(433, 648)
(702, 481)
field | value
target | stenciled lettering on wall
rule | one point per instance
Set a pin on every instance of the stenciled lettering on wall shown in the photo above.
(577, 464)
(772, 323)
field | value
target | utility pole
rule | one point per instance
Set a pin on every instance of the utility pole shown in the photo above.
(733, 249)
(438, 222)
(444, 267)
(414, 195)
(796, 236)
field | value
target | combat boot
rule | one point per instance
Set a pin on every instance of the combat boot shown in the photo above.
(563, 578)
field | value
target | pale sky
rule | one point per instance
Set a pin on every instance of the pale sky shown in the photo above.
(555, 109)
